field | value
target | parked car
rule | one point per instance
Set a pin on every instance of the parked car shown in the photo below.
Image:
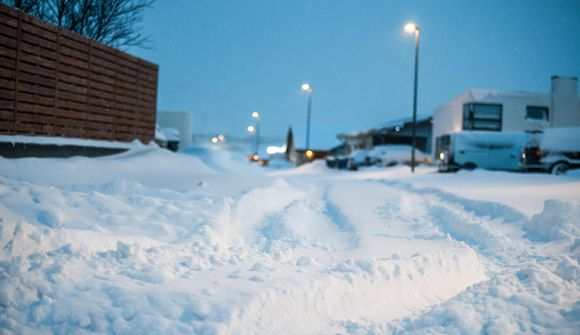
(556, 151)
(479, 149)
(380, 155)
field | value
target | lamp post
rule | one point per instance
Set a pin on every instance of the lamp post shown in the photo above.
(256, 116)
(308, 89)
(412, 28)
(253, 153)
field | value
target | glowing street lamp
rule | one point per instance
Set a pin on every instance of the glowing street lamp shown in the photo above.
(214, 140)
(256, 116)
(412, 28)
(251, 129)
(308, 89)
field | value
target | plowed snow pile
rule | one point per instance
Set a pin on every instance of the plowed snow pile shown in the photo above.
(161, 243)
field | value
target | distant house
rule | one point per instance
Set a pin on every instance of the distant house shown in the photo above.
(394, 132)
(499, 111)
(180, 121)
(299, 156)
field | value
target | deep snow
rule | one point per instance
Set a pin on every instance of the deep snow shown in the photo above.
(203, 242)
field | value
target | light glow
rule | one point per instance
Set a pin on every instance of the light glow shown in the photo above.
(411, 27)
(255, 115)
(306, 87)
(251, 129)
(255, 157)
(214, 140)
(309, 153)
(222, 138)
(442, 156)
(272, 150)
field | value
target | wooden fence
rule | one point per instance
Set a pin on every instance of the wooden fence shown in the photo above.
(54, 82)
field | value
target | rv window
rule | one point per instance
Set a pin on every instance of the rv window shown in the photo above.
(482, 117)
(537, 113)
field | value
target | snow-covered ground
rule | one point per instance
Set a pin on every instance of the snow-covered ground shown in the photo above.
(150, 241)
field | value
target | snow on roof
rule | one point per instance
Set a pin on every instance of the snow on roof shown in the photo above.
(478, 94)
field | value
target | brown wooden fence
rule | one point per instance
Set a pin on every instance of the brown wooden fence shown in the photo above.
(54, 82)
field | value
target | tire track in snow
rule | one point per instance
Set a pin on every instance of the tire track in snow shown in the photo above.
(363, 283)
(527, 292)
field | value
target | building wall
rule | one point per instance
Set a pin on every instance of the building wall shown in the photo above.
(179, 120)
(448, 118)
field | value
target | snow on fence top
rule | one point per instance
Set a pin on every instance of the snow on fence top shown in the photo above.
(54, 82)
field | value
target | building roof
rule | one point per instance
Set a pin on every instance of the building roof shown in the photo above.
(386, 126)
(478, 94)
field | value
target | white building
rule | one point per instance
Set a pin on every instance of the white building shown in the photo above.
(182, 121)
(489, 110)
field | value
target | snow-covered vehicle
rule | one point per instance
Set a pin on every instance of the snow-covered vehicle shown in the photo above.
(556, 151)
(479, 149)
(390, 155)
(380, 155)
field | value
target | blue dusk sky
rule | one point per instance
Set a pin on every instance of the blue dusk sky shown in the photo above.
(222, 60)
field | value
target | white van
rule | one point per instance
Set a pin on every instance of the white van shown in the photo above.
(481, 149)
(556, 151)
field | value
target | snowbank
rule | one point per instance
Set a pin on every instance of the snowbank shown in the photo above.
(560, 220)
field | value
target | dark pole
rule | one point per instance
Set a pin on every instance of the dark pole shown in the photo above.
(308, 113)
(258, 135)
(414, 137)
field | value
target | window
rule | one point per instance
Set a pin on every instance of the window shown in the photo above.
(482, 117)
(539, 113)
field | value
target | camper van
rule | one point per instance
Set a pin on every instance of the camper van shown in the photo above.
(556, 151)
(480, 149)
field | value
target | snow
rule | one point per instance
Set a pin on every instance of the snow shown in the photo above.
(69, 141)
(478, 94)
(561, 139)
(204, 242)
(171, 134)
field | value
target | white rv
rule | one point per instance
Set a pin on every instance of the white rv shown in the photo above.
(478, 149)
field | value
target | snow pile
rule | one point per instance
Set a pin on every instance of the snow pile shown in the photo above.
(560, 220)
(527, 301)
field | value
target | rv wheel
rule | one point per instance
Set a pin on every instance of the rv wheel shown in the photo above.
(560, 168)
(469, 166)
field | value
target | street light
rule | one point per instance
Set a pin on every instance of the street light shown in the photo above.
(308, 89)
(412, 28)
(256, 116)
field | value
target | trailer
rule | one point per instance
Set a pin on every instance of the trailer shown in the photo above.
(481, 149)
(556, 151)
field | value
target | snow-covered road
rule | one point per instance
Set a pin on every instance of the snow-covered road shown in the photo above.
(166, 243)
